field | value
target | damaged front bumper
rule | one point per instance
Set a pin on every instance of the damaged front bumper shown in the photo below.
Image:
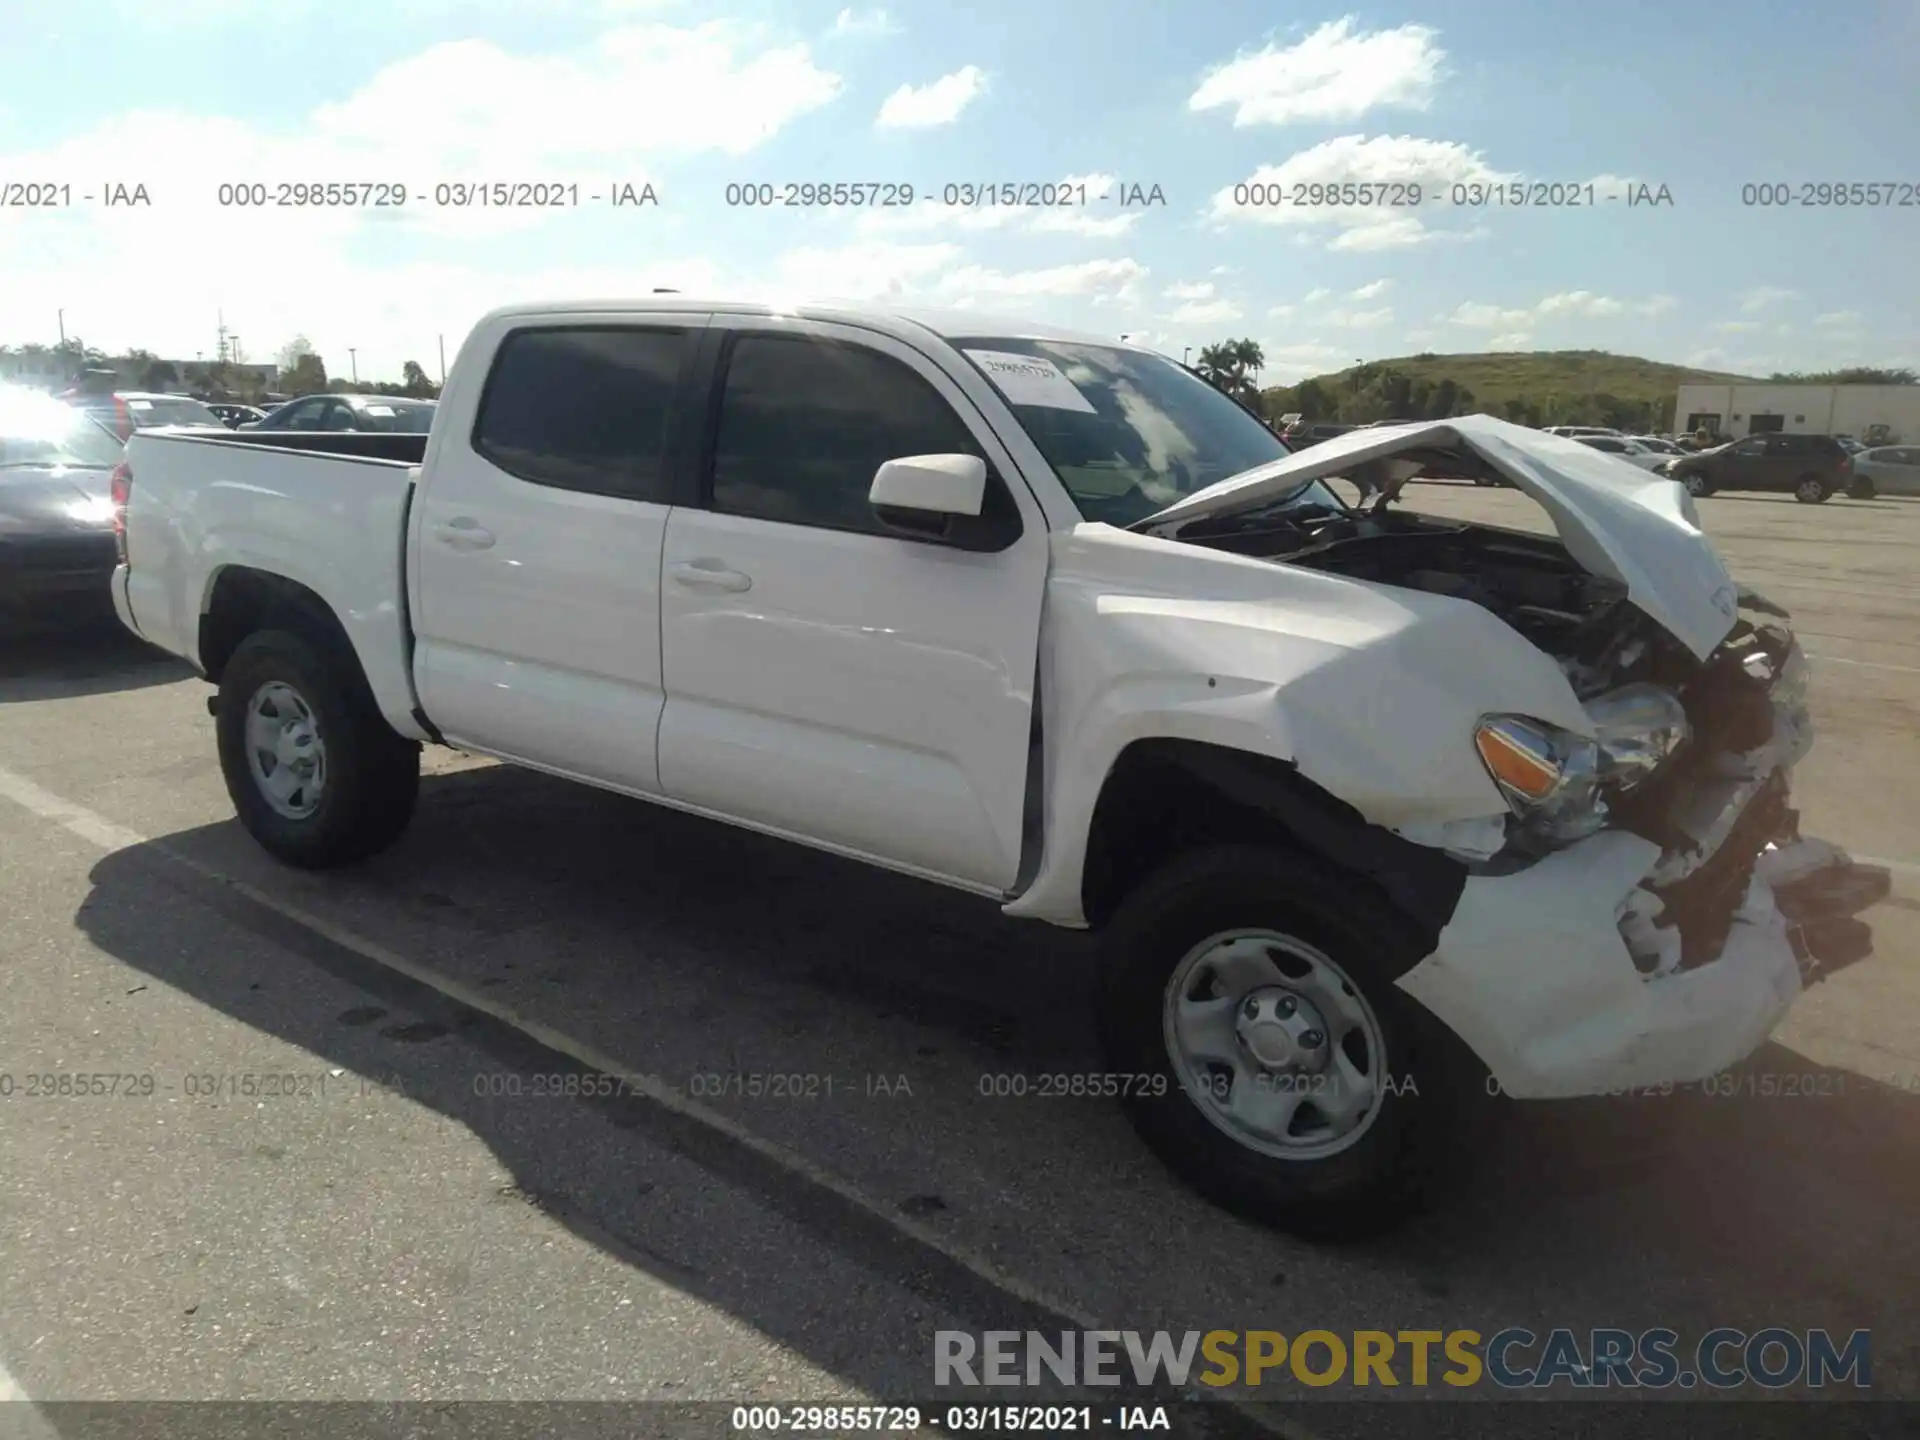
(1617, 964)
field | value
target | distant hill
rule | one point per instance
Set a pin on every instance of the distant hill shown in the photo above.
(1538, 386)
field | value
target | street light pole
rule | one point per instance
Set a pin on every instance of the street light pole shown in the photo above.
(63, 327)
(443, 361)
(353, 360)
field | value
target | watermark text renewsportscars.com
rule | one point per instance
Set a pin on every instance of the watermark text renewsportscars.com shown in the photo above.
(1515, 1358)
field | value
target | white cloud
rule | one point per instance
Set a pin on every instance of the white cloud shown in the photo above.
(1382, 161)
(1357, 319)
(867, 22)
(1480, 316)
(1110, 279)
(1281, 312)
(1736, 326)
(1205, 312)
(1511, 340)
(1562, 306)
(1421, 337)
(859, 271)
(1336, 73)
(1838, 319)
(1760, 297)
(1287, 364)
(1579, 302)
(1316, 295)
(1202, 290)
(1060, 220)
(1372, 289)
(938, 102)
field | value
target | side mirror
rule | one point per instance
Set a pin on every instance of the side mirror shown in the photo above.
(936, 497)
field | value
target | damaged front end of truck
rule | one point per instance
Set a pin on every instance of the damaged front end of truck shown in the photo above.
(1646, 908)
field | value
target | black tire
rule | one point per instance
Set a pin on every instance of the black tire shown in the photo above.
(1421, 1127)
(1696, 486)
(1861, 489)
(372, 773)
(1812, 490)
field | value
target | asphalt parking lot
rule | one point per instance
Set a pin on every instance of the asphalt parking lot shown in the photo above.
(414, 1221)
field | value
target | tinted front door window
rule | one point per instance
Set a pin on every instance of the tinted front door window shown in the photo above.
(805, 423)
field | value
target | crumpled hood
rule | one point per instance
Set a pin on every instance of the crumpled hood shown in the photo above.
(1616, 520)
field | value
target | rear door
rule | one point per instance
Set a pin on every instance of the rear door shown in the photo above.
(537, 538)
(826, 678)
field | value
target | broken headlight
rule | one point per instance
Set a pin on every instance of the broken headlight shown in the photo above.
(1636, 728)
(1555, 781)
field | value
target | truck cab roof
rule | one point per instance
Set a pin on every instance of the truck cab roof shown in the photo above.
(901, 321)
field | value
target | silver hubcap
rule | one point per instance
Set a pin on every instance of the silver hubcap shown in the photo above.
(1810, 489)
(285, 753)
(1695, 485)
(1275, 1044)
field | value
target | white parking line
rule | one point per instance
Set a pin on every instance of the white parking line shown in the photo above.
(1864, 664)
(96, 829)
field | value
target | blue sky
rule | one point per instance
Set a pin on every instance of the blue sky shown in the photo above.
(1700, 98)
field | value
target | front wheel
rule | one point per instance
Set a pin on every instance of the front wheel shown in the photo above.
(1274, 1064)
(1697, 486)
(316, 775)
(1811, 490)
(1861, 489)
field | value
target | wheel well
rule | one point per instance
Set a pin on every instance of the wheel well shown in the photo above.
(246, 601)
(1165, 797)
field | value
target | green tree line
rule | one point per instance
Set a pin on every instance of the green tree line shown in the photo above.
(302, 372)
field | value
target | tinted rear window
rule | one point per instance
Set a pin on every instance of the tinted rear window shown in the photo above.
(583, 409)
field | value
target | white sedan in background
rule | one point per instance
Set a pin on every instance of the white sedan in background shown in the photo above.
(1631, 451)
(1890, 469)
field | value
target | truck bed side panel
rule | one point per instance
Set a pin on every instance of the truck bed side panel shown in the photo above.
(335, 524)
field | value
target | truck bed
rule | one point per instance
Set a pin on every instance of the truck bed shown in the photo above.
(204, 502)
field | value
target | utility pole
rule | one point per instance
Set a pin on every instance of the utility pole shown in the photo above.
(443, 361)
(1185, 351)
(63, 327)
(353, 363)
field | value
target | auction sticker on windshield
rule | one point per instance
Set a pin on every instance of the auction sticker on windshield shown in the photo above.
(1030, 380)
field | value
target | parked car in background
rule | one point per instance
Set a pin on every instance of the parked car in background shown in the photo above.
(1299, 436)
(1658, 443)
(234, 416)
(1574, 432)
(125, 411)
(1887, 470)
(56, 513)
(379, 414)
(1849, 444)
(1811, 468)
(1631, 451)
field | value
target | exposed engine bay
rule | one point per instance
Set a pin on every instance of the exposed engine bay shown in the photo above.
(1692, 755)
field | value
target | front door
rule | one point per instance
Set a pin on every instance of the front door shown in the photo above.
(536, 567)
(827, 678)
(1743, 466)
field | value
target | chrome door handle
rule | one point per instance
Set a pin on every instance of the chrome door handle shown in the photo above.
(463, 533)
(710, 575)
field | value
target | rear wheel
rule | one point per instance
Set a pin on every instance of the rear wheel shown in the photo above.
(1697, 486)
(315, 774)
(1862, 488)
(1811, 490)
(1272, 1063)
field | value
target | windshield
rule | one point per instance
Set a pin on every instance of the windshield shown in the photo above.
(39, 432)
(393, 417)
(1127, 432)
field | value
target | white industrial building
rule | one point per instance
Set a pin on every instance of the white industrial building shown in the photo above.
(1875, 414)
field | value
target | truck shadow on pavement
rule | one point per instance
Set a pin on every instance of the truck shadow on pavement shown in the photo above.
(89, 660)
(704, 956)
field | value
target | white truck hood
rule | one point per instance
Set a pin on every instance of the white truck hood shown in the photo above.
(1616, 520)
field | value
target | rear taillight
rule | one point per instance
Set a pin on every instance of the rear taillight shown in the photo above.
(120, 489)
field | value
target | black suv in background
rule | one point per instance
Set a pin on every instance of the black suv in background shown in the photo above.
(1809, 467)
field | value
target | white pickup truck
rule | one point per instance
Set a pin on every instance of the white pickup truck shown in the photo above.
(1379, 814)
